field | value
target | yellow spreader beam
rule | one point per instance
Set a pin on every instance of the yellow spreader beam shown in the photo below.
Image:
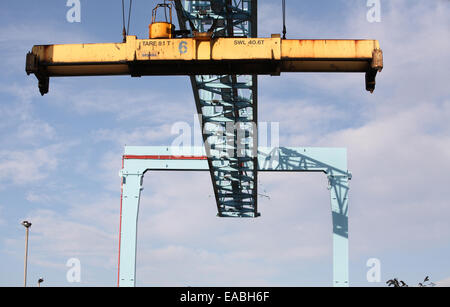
(205, 56)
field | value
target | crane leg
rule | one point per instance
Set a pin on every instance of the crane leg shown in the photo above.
(338, 186)
(131, 193)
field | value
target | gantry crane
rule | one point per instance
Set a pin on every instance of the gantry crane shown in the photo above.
(217, 46)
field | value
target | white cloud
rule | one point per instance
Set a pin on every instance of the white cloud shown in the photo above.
(86, 230)
(137, 136)
(191, 267)
(399, 163)
(178, 217)
(36, 197)
(28, 166)
(444, 283)
(157, 107)
(301, 121)
(35, 130)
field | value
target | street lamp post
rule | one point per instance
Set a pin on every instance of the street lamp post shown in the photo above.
(27, 226)
(41, 280)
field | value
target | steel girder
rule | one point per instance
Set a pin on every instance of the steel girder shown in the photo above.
(227, 107)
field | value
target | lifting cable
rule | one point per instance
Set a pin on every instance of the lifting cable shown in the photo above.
(165, 13)
(129, 17)
(126, 31)
(283, 3)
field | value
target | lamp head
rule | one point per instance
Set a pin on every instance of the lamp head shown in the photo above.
(26, 224)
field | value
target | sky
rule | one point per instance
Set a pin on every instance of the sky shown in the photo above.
(60, 156)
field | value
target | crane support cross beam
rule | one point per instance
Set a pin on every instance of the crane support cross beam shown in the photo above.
(194, 56)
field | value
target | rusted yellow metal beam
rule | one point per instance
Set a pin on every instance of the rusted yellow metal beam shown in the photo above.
(202, 55)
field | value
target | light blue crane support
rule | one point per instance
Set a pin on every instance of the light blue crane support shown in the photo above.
(227, 107)
(137, 160)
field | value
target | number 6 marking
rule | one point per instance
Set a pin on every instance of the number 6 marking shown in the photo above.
(183, 47)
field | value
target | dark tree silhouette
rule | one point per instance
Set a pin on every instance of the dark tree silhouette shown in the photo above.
(401, 284)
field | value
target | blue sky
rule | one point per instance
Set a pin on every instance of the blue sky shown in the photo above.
(61, 154)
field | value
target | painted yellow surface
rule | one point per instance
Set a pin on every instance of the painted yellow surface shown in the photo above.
(160, 30)
(164, 49)
(217, 49)
(326, 48)
(294, 55)
(203, 55)
(245, 49)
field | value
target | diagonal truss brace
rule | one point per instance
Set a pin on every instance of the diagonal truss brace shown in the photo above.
(137, 160)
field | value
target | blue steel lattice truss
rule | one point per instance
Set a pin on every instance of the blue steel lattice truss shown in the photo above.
(227, 107)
